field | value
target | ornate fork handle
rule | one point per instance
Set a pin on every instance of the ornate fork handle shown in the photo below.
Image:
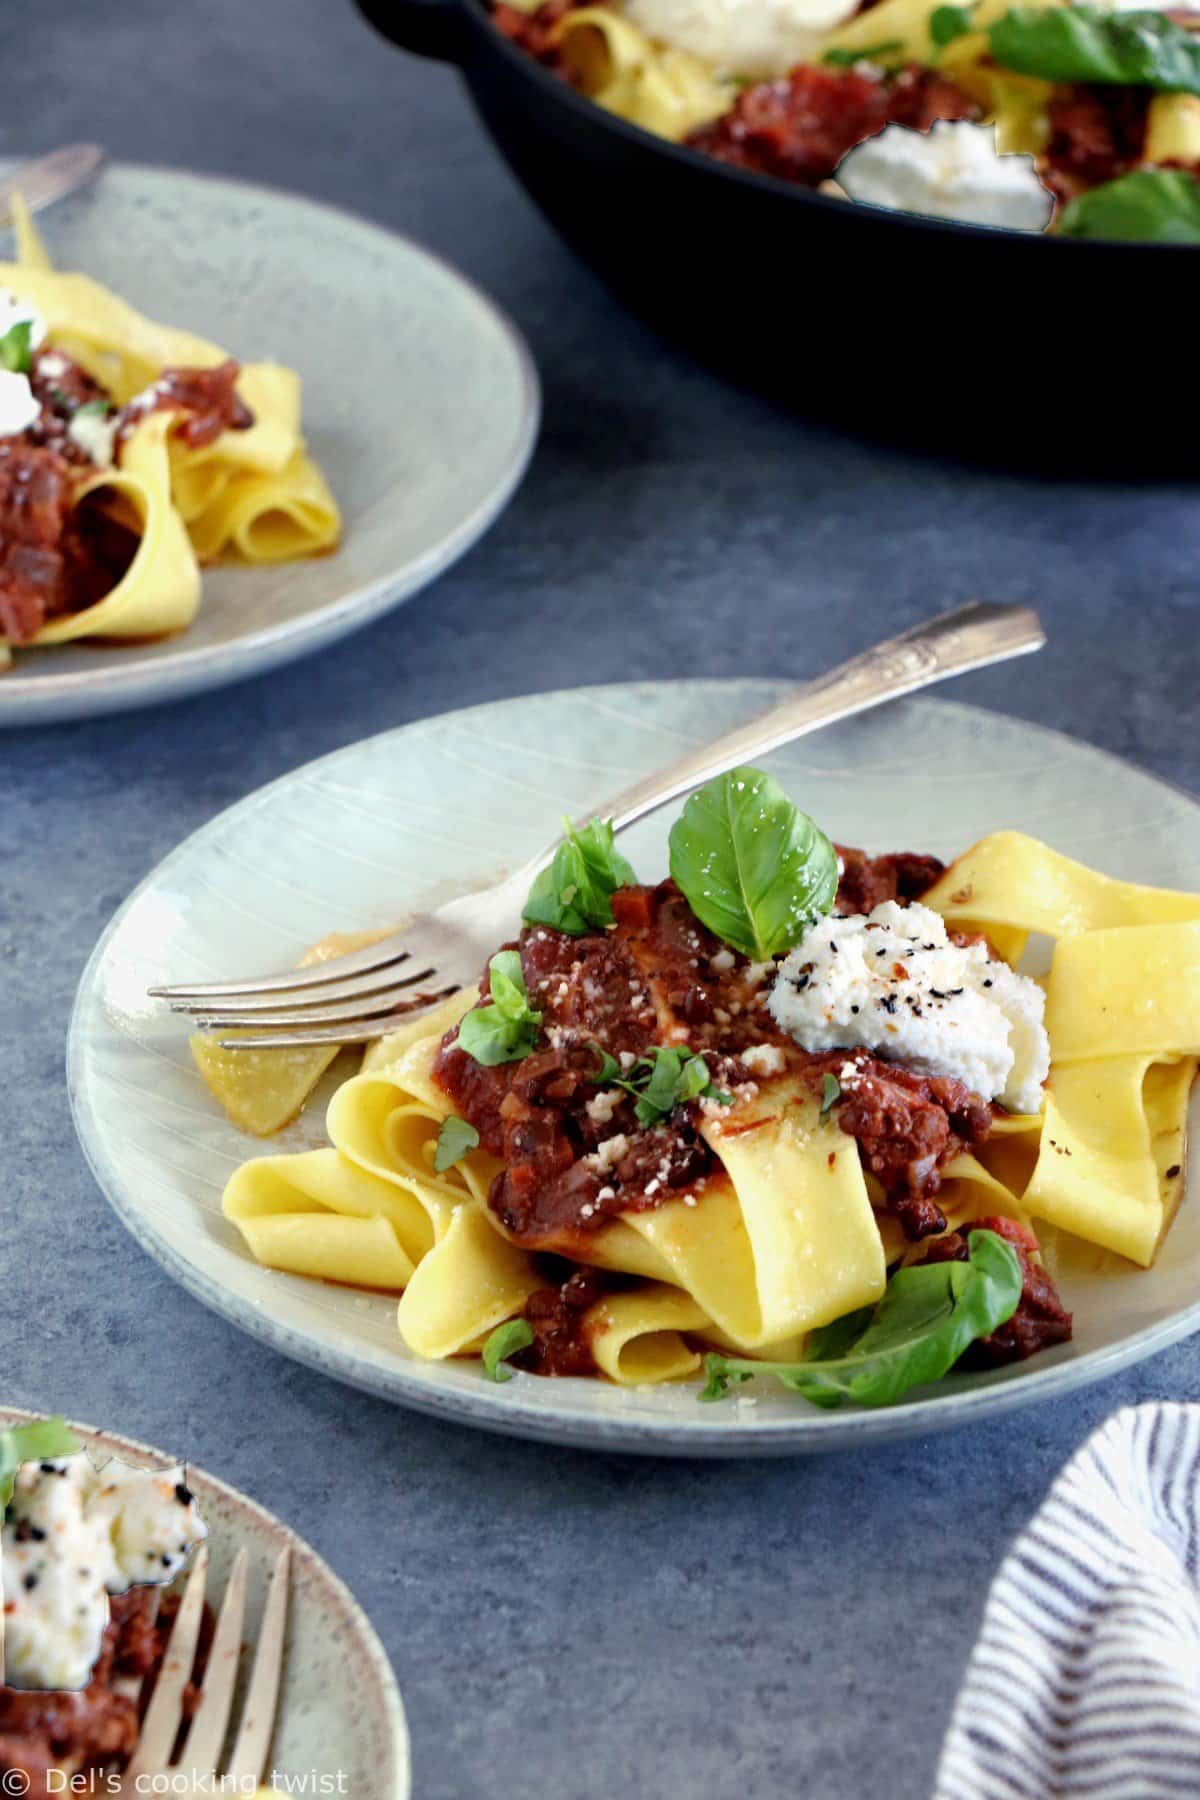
(951, 644)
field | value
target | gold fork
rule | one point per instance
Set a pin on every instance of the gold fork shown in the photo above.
(247, 1760)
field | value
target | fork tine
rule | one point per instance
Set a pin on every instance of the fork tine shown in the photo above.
(379, 955)
(362, 1029)
(161, 1724)
(344, 1013)
(206, 1733)
(316, 1011)
(249, 1759)
(375, 981)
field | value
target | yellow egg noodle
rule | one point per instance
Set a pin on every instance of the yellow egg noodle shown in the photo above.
(253, 496)
(788, 1238)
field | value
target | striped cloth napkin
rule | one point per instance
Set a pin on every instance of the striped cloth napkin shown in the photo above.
(1086, 1677)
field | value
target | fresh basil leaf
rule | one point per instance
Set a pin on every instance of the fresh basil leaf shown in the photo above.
(1086, 43)
(16, 354)
(753, 867)
(828, 1343)
(574, 894)
(929, 1315)
(508, 984)
(831, 1089)
(668, 1079)
(38, 1441)
(454, 1140)
(506, 1029)
(505, 1341)
(609, 1070)
(1151, 206)
(947, 23)
(846, 59)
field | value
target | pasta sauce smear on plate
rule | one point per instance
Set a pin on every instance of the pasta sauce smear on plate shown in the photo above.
(793, 1111)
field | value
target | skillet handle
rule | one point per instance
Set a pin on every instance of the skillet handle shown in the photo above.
(426, 27)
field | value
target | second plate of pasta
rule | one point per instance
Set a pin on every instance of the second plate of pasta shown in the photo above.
(250, 423)
(366, 835)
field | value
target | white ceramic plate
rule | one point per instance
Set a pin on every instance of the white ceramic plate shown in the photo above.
(339, 1706)
(420, 402)
(360, 837)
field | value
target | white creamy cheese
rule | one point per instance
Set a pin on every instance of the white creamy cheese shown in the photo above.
(18, 406)
(891, 981)
(95, 433)
(74, 1534)
(951, 171)
(752, 38)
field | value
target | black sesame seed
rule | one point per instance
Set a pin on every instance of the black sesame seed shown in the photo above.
(183, 1493)
(31, 1582)
(1174, 1170)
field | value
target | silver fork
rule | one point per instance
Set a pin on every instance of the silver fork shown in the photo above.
(363, 995)
(247, 1761)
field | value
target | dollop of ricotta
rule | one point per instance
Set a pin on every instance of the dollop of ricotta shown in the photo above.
(19, 407)
(891, 981)
(752, 38)
(74, 1533)
(951, 171)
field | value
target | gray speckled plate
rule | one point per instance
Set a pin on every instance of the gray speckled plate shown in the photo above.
(420, 402)
(362, 836)
(339, 1706)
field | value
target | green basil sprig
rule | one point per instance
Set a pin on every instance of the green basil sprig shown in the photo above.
(946, 23)
(752, 866)
(831, 1090)
(506, 1029)
(37, 1442)
(16, 353)
(454, 1140)
(660, 1082)
(928, 1316)
(1151, 206)
(1085, 43)
(574, 892)
(505, 1341)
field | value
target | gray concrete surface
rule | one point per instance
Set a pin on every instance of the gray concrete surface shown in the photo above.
(562, 1624)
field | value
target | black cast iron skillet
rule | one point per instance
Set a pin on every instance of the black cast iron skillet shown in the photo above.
(1055, 352)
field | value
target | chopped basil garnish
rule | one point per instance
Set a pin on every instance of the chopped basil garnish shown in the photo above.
(947, 23)
(929, 1315)
(846, 59)
(574, 893)
(36, 1442)
(1085, 43)
(831, 1089)
(661, 1081)
(752, 866)
(454, 1140)
(16, 353)
(505, 1341)
(1151, 206)
(506, 1029)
